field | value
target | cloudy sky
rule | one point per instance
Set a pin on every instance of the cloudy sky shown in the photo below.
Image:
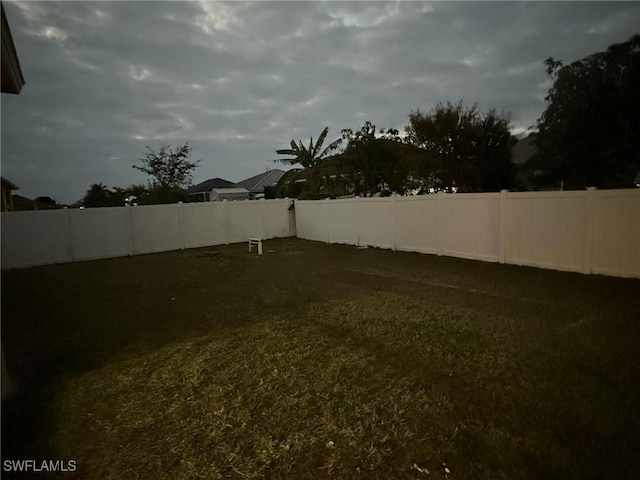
(240, 80)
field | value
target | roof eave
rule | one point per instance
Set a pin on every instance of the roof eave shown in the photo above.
(12, 78)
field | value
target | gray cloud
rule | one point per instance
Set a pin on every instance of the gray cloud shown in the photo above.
(239, 80)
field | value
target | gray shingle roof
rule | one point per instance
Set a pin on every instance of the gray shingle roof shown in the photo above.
(257, 183)
(209, 185)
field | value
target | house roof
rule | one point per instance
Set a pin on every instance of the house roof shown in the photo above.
(257, 183)
(8, 185)
(12, 78)
(209, 185)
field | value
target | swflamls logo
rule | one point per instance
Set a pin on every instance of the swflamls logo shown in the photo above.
(39, 466)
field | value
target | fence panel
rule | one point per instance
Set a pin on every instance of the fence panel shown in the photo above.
(246, 219)
(99, 232)
(376, 222)
(417, 224)
(204, 224)
(343, 224)
(470, 226)
(34, 238)
(546, 229)
(312, 220)
(616, 233)
(156, 228)
(277, 218)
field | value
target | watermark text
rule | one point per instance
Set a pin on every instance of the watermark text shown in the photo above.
(39, 465)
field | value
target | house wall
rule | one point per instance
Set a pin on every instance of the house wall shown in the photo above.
(6, 199)
(586, 231)
(56, 236)
(219, 197)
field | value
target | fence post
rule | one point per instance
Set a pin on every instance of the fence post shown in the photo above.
(181, 223)
(439, 208)
(293, 225)
(502, 229)
(589, 211)
(264, 218)
(69, 233)
(357, 220)
(393, 221)
(638, 206)
(129, 229)
(225, 202)
(326, 203)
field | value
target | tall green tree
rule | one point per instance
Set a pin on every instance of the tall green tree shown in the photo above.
(590, 130)
(467, 150)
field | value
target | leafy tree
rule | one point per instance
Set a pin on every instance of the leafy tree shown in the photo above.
(169, 169)
(378, 162)
(291, 184)
(590, 130)
(466, 150)
(159, 195)
(309, 157)
(98, 195)
(372, 162)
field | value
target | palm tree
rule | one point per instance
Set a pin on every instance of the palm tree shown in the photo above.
(309, 157)
(97, 196)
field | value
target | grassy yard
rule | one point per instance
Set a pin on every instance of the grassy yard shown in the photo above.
(321, 361)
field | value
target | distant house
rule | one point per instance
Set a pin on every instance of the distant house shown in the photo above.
(219, 194)
(45, 203)
(21, 203)
(524, 149)
(255, 185)
(7, 188)
(202, 191)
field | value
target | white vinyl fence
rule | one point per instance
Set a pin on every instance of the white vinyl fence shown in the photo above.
(56, 236)
(587, 231)
(584, 231)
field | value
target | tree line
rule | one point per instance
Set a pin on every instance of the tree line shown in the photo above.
(170, 171)
(588, 135)
(451, 148)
